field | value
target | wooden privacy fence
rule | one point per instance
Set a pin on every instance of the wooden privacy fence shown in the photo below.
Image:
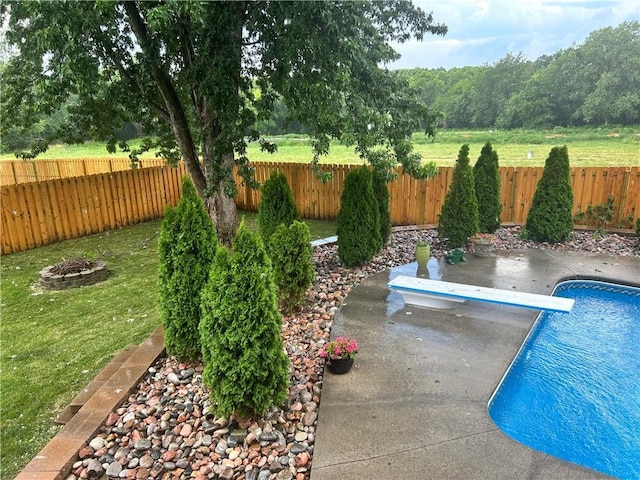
(38, 213)
(21, 171)
(420, 201)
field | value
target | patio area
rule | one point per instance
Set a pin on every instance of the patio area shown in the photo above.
(414, 406)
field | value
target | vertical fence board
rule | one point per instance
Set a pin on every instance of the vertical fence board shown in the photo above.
(16, 219)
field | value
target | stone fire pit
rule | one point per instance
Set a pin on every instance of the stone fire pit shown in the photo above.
(75, 272)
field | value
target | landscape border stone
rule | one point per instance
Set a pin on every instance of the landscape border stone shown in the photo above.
(52, 281)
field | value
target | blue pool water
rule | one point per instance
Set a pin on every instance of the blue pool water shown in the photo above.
(573, 389)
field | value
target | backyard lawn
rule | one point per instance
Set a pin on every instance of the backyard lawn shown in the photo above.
(54, 343)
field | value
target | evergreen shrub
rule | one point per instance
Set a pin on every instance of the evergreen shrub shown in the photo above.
(550, 219)
(638, 227)
(459, 215)
(276, 206)
(290, 254)
(245, 365)
(358, 225)
(186, 248)
(486, 177)
(381, 194)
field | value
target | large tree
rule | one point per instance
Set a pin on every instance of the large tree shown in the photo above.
(200, 75)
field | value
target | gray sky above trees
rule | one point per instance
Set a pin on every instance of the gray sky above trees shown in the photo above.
(484, 31)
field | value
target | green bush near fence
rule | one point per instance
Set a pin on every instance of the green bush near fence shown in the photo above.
(358, 220)
(380, 180)
(550, 218)
(486, 177)
(459, 216)
(276, 206)
(293, 272)
(186, 249)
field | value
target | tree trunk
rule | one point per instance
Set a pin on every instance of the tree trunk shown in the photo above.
(222, 210)
(221, 207)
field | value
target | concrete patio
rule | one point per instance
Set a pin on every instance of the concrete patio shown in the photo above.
(414, 406)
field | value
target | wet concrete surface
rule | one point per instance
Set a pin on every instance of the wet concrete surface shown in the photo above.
(415, 403)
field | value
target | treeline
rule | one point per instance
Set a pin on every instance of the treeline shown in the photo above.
(595, 83)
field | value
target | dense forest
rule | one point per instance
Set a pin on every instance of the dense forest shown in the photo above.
(595, 83)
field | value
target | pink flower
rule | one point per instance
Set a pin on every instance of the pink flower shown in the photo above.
(341, 347)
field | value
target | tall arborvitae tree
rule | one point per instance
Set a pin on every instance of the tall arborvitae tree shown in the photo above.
(186, 249)
(381, 192)
(486, 176)
(550, 218)
(277, 206)
(290, 254)
(358, 220)
(459, 215)
(246, 367)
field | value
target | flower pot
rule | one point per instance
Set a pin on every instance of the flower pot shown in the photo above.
(340, 365)
(423, 252)
(482, 249)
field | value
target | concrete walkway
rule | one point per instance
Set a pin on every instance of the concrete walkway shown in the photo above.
(414, 406)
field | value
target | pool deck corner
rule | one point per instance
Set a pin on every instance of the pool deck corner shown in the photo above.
(415, 404)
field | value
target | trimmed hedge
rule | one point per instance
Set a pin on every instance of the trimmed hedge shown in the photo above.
(276, 206)
(459, 215)
(246, 367)
(486, 176)
(290, 254)
(550, 219)
(186, 248)
(358, 220)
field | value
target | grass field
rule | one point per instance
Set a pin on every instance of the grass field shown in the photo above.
(54, 343)
(587, 147)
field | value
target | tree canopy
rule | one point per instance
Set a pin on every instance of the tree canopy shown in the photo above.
(198, 76)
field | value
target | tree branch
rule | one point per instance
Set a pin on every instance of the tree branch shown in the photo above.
(178, 117)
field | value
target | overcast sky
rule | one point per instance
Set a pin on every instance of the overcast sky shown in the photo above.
(484, 31)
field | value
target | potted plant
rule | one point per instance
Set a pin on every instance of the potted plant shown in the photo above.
(339, 354)
(423, 252)
(483, 244)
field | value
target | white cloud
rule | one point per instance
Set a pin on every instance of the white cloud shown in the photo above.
(484, 31)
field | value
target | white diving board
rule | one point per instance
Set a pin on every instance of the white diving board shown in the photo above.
(438, 294)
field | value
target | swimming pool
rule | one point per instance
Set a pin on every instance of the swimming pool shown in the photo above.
(573, 389)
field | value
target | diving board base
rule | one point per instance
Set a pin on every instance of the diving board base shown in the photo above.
(429, 293)
(430, 301)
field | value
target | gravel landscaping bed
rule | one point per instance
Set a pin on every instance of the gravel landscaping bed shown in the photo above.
(166, 429)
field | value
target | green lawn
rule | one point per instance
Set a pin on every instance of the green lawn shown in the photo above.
(54, 343)
(587, 147)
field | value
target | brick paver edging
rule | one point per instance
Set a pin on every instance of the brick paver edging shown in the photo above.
(57, 457)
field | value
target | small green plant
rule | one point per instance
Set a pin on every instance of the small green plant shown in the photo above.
(459, 216)
(550, 219)
(358, 220)
(626, 222)
(290, 254)
(638, 227)
(186, 249)
(276, 206)
(246, 366)
(599, 216)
